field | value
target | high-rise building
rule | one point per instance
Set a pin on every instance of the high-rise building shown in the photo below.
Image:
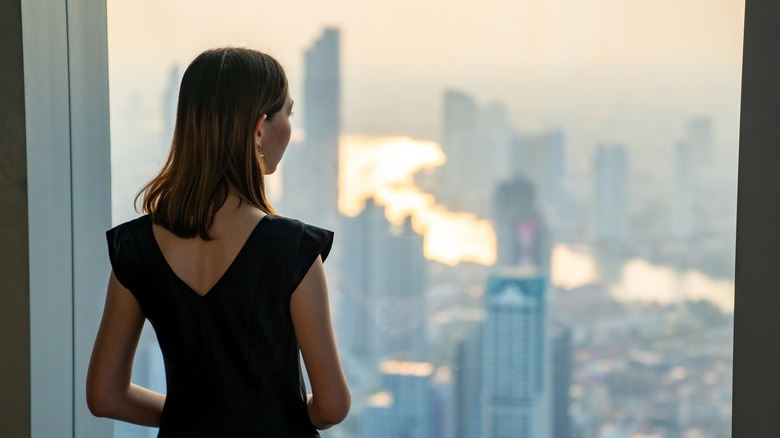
(383, 281)
(684, 190)
(521, 231)
(477, 142)
(610, 199)
(496, 137)
(541, 157)
(696, 192)
(375, 420)
(560, 339)
(513, 356)
(357, 303)
(460, 144)
(311, 171)
(468, 385)
(405, 407)
(444, 404)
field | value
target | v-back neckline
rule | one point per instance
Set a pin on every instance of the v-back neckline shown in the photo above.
(173, 273)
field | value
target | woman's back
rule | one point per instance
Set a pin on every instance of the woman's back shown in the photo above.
(221, 312)
(234, 292)
(201, 263)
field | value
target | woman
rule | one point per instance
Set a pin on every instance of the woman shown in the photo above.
(232, 290)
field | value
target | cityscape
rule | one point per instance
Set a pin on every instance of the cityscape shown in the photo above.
(482, 286)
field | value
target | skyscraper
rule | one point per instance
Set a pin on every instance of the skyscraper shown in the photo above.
(696, 194)
(356, 322)
(541, 157)
(383, 281)
(477, 142)
(496, 136)
(459, 141)
(521, 231)
(376, 419)
(560, 337)
(444, 404)
(513, 356)
(311, 184)
(468, 385)
(610, 210)
(405, 407)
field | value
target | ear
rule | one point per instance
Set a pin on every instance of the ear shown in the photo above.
(259, 128)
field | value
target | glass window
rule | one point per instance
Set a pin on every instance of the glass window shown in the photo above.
(534, 202)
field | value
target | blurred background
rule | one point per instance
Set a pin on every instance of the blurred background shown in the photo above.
(534, 201)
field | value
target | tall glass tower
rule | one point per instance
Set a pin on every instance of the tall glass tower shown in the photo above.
(610, 193)
(383, 280)
(322, 122)
(311, 167)
(513, 356)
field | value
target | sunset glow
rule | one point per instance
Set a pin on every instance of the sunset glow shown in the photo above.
(643, 281)
(640, 280)
(383, 168)
(571, 267)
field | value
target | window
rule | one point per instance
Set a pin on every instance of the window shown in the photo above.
(536, 195)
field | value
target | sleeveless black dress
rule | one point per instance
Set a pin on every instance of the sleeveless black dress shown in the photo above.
(231, 356)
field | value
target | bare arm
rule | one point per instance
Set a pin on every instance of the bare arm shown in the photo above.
(109, 391)
(330, 399)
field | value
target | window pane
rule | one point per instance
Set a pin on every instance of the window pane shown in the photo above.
(534, 202)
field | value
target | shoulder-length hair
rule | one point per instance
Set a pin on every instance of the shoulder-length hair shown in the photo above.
(223, 94)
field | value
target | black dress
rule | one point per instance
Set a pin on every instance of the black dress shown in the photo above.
(231, 356)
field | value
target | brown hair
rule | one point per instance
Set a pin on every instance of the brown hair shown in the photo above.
(222, 95)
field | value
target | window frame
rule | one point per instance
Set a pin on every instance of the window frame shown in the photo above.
(68, 163)
(69, 205)
(756, 380)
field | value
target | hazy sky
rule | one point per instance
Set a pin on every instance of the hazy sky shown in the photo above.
(445, 36)
(548, 60)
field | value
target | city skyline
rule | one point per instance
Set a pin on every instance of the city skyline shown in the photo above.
(454, 236)
(621, 278)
